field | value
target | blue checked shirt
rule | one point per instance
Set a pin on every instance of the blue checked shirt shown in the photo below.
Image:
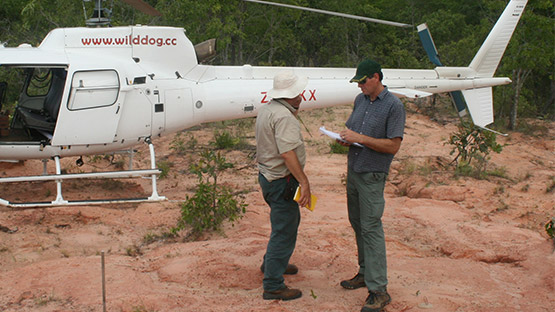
(383, 118)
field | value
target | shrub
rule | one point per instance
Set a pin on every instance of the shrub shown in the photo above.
(224, 140)
(473, 146)
(212, 203)
(164, 167)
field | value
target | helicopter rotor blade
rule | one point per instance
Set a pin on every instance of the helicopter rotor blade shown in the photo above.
(428, 43)
(143, 7)
(367, 19)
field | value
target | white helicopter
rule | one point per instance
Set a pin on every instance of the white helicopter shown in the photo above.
(98, 90)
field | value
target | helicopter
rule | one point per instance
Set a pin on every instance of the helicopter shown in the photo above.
(92, 91)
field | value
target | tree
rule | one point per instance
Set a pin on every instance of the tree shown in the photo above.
(530, 54)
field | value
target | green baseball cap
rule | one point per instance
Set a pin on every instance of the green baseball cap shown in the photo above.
(366, 68)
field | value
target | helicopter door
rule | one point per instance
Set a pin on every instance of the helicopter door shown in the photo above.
(93, 109)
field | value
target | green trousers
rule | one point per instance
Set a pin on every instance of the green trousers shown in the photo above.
(285, 218)
(365, 203)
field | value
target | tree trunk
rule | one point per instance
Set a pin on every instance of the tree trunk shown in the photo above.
(519, 76)
(514, 105)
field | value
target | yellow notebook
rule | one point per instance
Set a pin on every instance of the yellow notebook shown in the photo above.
(313, 199)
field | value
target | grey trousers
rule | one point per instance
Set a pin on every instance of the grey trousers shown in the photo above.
(285, 218)
(365, 203)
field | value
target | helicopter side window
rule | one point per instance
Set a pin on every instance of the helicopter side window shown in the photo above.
(92, 89)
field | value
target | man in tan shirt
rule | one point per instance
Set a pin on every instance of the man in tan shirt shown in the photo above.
(281, 157)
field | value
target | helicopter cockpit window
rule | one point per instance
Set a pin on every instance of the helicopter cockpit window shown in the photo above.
(39, 83)
(90, 89)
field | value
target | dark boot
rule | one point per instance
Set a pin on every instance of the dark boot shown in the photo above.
(354, 283)
(291, 269)
(376, 301)
(284, 293)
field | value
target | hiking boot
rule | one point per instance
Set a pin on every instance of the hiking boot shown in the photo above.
(291, 269)
(376, 301)
(284, 293)
(354, 283)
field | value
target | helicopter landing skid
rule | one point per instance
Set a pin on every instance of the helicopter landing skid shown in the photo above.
(59, 177)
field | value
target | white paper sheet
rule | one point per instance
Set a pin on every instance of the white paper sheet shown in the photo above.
(336, 136)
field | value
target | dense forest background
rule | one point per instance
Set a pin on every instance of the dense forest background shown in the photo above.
(266, 35)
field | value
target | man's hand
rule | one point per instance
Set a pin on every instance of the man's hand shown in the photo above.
(305, 199)
(350, 136)
(294, 166)
(344, 143)
(387, 146)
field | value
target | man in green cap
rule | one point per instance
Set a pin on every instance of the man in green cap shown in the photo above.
(377, 123)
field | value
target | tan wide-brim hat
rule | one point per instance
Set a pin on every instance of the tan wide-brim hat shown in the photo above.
(287, 85)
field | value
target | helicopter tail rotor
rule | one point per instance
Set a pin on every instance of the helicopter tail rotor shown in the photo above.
(430, 47)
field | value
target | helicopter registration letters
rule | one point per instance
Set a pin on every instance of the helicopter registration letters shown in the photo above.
(311, 97)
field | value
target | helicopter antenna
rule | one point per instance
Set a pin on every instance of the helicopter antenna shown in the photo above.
(362, 18)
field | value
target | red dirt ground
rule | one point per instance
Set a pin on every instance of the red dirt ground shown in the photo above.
(454, 244)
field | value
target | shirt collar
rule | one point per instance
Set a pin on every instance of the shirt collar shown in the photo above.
(284, 103)
(380, 96)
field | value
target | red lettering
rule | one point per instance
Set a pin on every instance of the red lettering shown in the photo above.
(312, 95)
(130, 40)
(302, 95)
(264, 101)
(120, 41)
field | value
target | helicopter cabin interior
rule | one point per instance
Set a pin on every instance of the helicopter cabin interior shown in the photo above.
(34, 115)
(33, 118)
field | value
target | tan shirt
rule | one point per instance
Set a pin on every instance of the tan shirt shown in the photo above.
(277, 132)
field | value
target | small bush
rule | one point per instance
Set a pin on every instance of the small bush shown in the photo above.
(164, 167)
(472, 146)
(212, 203)
(224, 140)
(178, 145)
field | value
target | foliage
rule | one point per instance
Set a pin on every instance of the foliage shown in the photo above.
(180, 146)
(550, 228)
(472, 145)
(150, 238)
(212, 203)
(164, 167)
(266, 35)
(336, 148)
(227, 140)
(224, 140)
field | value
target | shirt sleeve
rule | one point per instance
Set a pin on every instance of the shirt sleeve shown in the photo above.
(396, 121)
(287, 132)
